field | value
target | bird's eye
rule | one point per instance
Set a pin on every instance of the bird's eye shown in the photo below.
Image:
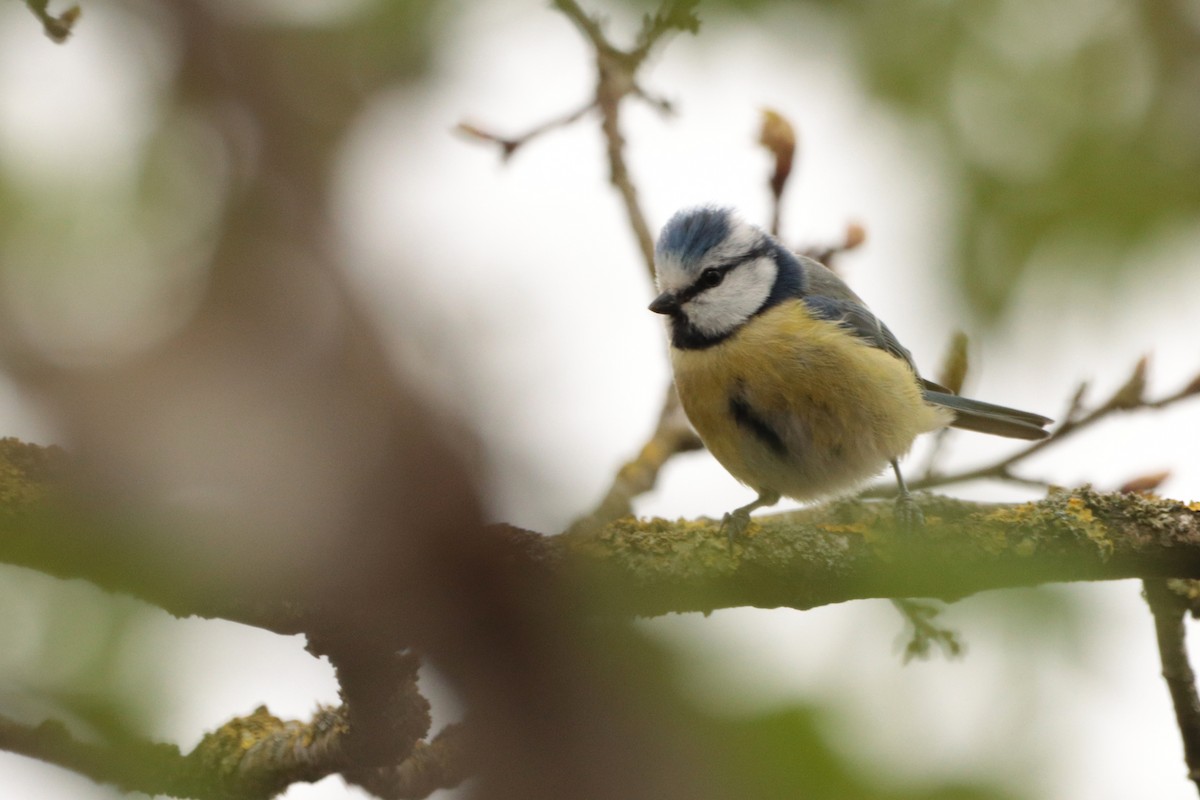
(711, 277)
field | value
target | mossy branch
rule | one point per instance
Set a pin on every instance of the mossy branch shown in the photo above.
(851, 550)
(247, 758)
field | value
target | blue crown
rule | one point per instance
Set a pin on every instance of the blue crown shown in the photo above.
(693, 232)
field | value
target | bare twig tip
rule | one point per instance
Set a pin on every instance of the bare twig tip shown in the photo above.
(954, 368)
(1145, 484)
(856, 234)
(1132, 393)
(779, 137)
(58, 28)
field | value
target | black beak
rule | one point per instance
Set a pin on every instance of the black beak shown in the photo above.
(665, 303)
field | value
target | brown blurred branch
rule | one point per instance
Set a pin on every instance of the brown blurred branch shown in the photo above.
(257, 756)
(439, 764)
(616, 79)
(801, 559)
(1169, 608)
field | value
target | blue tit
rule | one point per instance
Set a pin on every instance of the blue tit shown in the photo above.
(790, 380)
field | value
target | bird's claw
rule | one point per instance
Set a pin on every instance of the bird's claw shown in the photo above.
(734, 524)
(909, 517)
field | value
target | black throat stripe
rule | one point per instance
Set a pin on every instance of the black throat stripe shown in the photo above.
(744, 415)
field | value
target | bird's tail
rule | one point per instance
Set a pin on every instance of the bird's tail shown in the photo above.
(975, 415)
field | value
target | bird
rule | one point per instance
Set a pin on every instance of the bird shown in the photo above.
(790, 380)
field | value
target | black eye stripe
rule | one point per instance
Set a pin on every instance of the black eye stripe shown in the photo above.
(700, 286)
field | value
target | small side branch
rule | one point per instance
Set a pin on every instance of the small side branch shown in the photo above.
(672, 435)
(252, 757)
(616, 79)
(510, 144)
(1130, 397)
(1169, 608)
(440, 764)
(58, 28)
(779, 138)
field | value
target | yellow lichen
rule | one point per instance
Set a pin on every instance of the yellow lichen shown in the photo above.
(1090, 526)
(833, 527)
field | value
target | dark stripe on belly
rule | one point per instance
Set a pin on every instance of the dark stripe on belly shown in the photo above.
(744, 415)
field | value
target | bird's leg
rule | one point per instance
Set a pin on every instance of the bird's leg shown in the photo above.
(736, 521)
(908, 513)
(920, 616)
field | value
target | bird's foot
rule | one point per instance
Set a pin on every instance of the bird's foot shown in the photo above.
(909, 517)
(734, 524)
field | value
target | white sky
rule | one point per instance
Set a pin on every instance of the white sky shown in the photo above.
(528, 296)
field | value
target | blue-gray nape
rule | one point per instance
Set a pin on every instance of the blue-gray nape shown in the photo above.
(693, 232)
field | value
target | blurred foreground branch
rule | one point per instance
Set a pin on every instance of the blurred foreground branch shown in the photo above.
(251, 757)
(800, 559)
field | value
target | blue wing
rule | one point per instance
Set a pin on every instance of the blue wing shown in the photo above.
(858, 319)
(828, 298)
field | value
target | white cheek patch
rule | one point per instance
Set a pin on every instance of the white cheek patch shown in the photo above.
(719, 310)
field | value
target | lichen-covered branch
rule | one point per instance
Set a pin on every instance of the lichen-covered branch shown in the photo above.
(247, 758)
(851, 550)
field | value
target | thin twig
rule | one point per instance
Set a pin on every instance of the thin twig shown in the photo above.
(616, 79)
(952, 375)
(1127, 398)
(779, 138)
(510, 144)
(674, 15)
(854, 236)
(616, 73)
(1168, 609)
(923, 631)
(671, 436)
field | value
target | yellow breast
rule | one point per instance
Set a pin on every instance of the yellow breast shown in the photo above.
(799, 406)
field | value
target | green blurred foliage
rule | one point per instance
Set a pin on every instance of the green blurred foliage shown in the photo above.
(784, 755)
(1071, 130)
